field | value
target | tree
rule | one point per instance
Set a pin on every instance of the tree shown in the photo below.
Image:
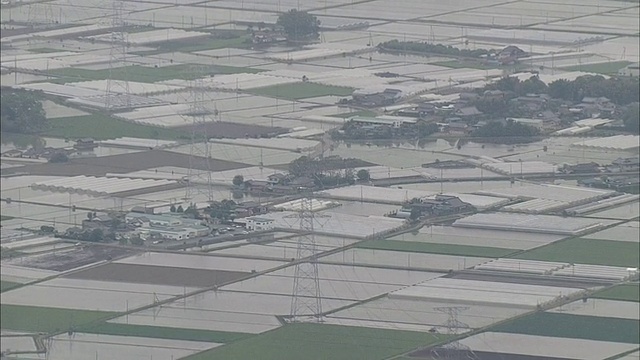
(136, 240)
(238, 180)
(59, 157)
(415, 213)
(90, 215)
(180, 209)
(172, 208)
(21, 111)
(96, 235)
(425, 129)
(363, 175)
(299, 25)
(631, 118)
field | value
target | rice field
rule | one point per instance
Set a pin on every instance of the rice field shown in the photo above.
(101, 127)
(8, 285)
(45, 319)
(625, 292)
(575, 327)
(300, 341)
(587, 251)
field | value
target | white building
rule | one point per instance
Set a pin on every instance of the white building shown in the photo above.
(632, 70)
(255, 223)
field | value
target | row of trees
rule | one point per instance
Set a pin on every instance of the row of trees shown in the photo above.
(22, 111)
(620, 90)
(425, 48)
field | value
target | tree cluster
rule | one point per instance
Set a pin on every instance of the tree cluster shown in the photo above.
(21, 111)
(631, 118)
(299, 25)
(425, 48)
(620, 90)
(509, 132)
(221, 210)
(329, 171)
(355, 131)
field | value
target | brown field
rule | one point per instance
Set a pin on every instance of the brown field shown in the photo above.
(121, 164)
(158, 275)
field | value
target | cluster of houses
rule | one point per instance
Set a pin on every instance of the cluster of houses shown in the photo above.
(620, 165)
(459, 115)
(441, 205)
(280, 184)
(80, 147)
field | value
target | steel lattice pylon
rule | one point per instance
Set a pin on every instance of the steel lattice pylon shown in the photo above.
(40, 13)
(117, 92)
(306, 301)
(454, 350)
(199, 178)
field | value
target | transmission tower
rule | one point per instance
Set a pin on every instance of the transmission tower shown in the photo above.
(117, 92)
(199, 179)
(40, 13)
(306, 300)
(454, 350)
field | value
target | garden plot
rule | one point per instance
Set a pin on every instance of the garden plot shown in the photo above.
(336, 282)
(544, 224)
(223, 311)
(601, 308)
(90, 295)
(17, 344)
(563, 269)
(504, 344)
(81, 346)
(401, 259)
(482, 293)
(478, 237)
(285, 249)
(622, 212)
(624, 232)
(195, 261)
(421, 315)
(99, 185)
(341, 224)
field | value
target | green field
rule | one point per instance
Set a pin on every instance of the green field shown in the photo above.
(5, 217)
(300, 341)
(458, 64)
(166, 333)
(608, 68)
(102, 127)
(144, 74)
(574, 326)
(41, 319)
(626, 292)
(8, 285)
(588, 251)
(431, 248)
(301, 90)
